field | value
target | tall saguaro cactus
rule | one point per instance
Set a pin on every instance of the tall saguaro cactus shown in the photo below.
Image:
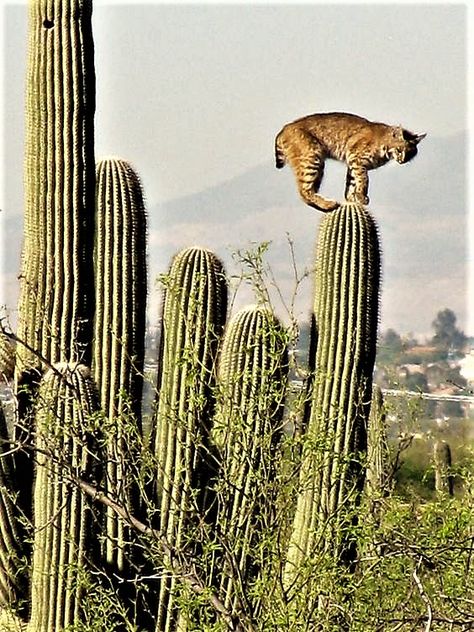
(253, 368)
(66, 450)
(194, 312)
(346, 316)
(119, 332)
(57, 294)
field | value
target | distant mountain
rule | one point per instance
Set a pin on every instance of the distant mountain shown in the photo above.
(420, 208)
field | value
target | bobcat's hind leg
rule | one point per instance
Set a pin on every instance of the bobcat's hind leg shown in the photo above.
(309, 171)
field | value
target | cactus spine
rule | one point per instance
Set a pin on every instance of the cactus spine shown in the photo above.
(119, 331)
(194, 312)
(252, 374)
(65, 447)
(346, 316)
(56, 294)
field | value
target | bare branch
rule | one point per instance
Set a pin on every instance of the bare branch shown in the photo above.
(424, 597)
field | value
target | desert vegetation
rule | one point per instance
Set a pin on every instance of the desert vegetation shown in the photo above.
(242, 501)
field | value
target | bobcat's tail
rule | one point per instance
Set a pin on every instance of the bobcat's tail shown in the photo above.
(279, 154)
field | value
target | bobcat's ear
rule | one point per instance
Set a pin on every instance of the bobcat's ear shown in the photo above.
(419, 137)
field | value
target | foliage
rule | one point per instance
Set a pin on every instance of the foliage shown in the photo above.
(243, 510)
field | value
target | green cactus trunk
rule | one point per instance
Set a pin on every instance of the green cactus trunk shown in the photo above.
(194, 312)
(253, 368)
(65, 450)
(346, 317)
(57, 294)
(119, 337)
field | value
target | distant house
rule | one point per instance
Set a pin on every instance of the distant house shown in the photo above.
(410, 369)
(423, 350)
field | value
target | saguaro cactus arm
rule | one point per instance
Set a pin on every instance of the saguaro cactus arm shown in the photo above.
(444, 480)
(253, 368)
(13, 586)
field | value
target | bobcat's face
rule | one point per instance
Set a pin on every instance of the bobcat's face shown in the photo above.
(403, 145)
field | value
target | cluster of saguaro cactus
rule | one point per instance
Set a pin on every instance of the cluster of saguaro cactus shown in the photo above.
(346, 315)
(218, 417)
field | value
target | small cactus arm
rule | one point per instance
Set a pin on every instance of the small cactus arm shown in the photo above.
(119, 336)
(65, 447)
(444, 480)
(252, 376)
(346, 319)
(194, 312)
(56, 291)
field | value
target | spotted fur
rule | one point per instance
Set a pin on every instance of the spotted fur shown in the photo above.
(306, 143)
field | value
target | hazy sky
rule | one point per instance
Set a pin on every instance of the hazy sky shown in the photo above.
(193, 94)
(206, 87)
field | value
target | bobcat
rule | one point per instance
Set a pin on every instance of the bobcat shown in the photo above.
(307, 142)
